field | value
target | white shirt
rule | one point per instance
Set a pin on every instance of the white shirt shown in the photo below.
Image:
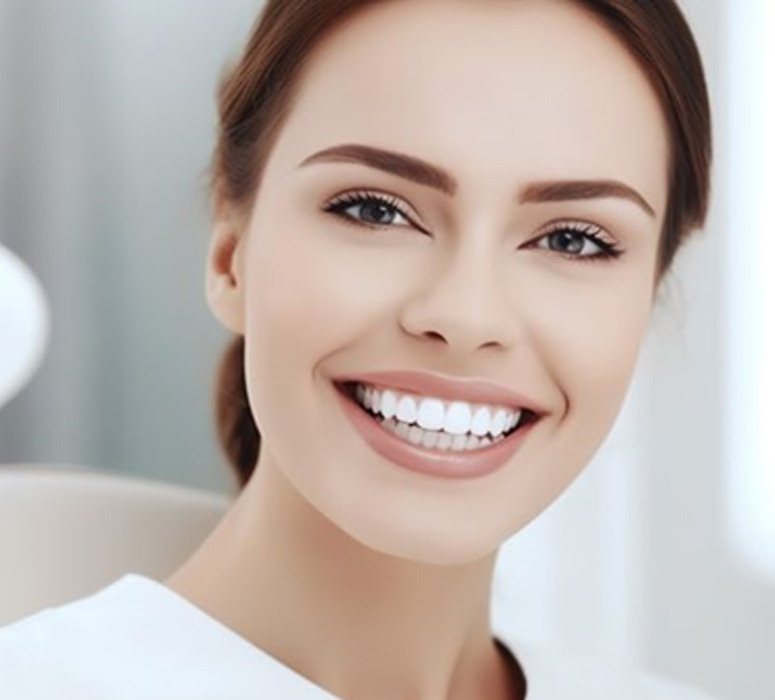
(137, 639)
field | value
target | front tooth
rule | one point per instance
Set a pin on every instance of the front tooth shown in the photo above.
(415, 435)
(444, 442)
(429, 439)
(407, 409)
(459, 442)
(431, 414)
(458, 418)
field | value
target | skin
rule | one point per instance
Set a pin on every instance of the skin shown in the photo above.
(369, 579)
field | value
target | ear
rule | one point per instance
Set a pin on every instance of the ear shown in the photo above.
(224, 281)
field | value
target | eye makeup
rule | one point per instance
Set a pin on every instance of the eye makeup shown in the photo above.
(567, 232)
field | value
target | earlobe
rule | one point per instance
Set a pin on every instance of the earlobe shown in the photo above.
(224, 285)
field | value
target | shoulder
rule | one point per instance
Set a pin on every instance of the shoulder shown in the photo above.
(88, 648)
(136, 639)
(34, 665)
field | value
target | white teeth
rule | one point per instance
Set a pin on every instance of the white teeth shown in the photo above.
(389, 403)
(406, 411)
(431, 413)
(481, 422)
(444, 442)
(457, 418)
(459, 442)
(429, 439)
(415, 435)
(436, 440)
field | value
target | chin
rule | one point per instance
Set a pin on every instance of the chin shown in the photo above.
(415, 538)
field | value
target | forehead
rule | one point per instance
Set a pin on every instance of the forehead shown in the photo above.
(496, 91)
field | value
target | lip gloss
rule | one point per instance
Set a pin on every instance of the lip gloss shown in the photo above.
(444, 463)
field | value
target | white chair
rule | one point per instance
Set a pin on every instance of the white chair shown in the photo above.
(66, 531)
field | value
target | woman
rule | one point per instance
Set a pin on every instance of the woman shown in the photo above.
(440, 227)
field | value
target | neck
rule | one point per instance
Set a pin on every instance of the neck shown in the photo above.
(358, 622)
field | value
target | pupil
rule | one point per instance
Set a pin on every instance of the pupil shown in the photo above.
(376, 208)
(565, 236)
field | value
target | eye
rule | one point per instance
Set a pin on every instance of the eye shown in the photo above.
(376, 210)
(572, 238)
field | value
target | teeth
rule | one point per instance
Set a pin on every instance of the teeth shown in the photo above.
(436, 440)
(406, 411)
(456, 418)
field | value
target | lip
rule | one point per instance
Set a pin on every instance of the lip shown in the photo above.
(472, 390)
(439, 463)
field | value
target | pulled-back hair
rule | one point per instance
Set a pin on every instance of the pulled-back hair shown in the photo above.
(256, 92)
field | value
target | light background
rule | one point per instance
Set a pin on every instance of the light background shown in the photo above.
(662, 551)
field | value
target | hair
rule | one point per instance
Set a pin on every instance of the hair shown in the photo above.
(257, 91)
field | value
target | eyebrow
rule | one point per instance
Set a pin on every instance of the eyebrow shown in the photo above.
(424, 173)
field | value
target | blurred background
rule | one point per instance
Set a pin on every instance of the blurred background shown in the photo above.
(663, 551)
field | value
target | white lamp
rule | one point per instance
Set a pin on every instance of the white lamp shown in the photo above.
(24, 324)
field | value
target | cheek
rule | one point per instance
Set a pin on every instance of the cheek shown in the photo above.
(297, 294)
(588, 346)
(305, 300)
(594, 347)
(313, 289)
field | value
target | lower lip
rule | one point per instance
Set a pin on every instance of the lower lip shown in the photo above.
(444, 463)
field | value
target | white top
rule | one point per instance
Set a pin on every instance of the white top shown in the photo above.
(137, 638)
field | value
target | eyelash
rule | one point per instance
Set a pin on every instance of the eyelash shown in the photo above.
(608, 252)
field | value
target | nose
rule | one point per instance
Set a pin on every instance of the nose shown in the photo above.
(464, 304)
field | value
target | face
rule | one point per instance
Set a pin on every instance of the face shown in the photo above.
(473, 283)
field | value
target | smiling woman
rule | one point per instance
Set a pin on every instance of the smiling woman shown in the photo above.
(439, 230)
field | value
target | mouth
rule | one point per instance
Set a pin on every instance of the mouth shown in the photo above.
(435, 453)
(349, 390)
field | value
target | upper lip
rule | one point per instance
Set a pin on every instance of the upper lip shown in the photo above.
(430, 383)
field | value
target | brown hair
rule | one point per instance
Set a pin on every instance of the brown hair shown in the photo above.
(256, 93)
